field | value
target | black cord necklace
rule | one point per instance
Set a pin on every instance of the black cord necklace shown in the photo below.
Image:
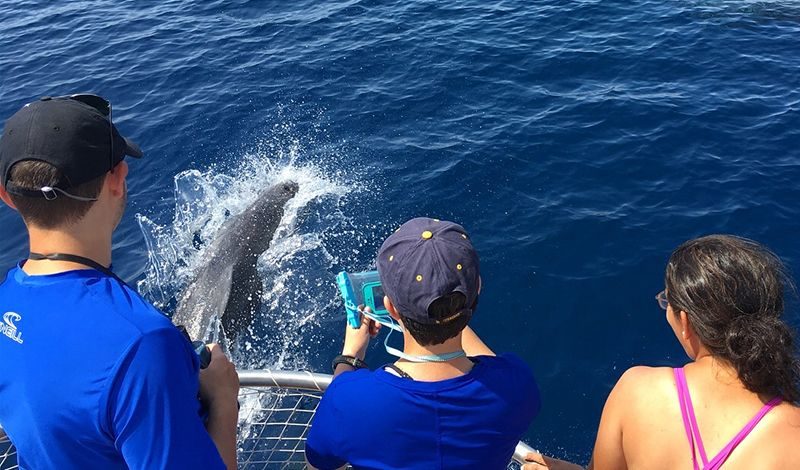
(74, 259)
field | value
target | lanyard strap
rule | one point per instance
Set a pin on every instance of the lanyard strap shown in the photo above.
(427, 358)
(74, 259)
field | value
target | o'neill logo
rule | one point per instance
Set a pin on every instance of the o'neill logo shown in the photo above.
(9, 328)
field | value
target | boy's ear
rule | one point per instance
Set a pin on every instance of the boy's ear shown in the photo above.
(390, 308)
(6, 198)
(116, 178)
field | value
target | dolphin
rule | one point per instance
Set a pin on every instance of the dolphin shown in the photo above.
(227, 287)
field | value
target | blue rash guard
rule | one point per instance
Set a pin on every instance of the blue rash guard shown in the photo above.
(93, 376)
(378, 420)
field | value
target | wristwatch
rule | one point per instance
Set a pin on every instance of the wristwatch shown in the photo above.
(353, 362)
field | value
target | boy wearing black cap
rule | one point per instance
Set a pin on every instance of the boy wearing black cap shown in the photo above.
(92, 375)
(448, 402)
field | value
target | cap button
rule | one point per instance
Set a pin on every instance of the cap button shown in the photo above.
(426, 235)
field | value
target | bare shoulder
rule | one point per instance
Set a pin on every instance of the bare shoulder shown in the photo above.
(787, 417)
(637, 373)
(779, 437)
(640, 379)
(626, 425)
(778, 440)
(640, 389)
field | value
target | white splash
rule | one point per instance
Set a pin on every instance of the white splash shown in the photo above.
(296, 269)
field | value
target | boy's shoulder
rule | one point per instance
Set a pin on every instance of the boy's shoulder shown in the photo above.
(507, 365)
(347, 382)
(507, 368)
(122, 307)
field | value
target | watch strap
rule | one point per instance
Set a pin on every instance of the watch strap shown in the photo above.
(352, 361)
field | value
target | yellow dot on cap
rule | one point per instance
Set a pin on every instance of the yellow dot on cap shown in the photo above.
(391, 257)
(463, 236)
(458, 266)
(419, 277)
(426, 235)
(436, 220)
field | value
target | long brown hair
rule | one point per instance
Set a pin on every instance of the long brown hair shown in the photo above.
(732, 290)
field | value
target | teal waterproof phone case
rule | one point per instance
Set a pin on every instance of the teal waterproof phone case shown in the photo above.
(362, 288)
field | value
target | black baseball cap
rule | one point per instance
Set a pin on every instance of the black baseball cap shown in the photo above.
(73, 133)
(426, 259)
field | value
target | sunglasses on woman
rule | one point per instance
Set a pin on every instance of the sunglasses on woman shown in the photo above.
(661, 298)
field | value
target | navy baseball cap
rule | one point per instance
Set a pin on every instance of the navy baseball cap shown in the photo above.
(73, 133)
(426, 259)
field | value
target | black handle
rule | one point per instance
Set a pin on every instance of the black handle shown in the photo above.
(203, 352)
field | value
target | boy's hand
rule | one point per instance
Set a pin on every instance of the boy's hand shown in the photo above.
(356, 340)
(219, 383)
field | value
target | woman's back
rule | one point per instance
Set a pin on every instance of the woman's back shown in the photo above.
(724, 301)
(647, 409)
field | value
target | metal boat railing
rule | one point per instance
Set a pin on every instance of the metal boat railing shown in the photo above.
(276, 411)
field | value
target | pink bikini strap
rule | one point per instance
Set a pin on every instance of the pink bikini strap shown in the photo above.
(723, 455)
(693, 430)
(689, 419)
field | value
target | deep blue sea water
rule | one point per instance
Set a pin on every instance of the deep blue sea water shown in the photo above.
(579, 143)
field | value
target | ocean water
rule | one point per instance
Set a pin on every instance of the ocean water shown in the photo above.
(578, 142)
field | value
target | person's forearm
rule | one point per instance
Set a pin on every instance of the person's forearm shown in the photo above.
(473, 345)
(222, 422)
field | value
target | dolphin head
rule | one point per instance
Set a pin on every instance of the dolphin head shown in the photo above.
(267, 210)
(286, 190)
(276, 195)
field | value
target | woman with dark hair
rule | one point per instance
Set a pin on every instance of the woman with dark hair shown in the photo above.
(735, 403)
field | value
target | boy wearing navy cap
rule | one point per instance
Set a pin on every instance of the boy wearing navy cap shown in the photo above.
(448, 402)
(92, 375)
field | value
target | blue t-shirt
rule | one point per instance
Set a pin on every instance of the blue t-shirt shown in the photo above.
(374, 419)
(93, 376)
